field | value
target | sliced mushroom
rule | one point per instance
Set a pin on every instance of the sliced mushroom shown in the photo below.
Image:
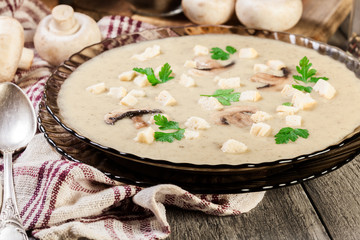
(239, 116)
(206, 63)
(139, 122)
(271, 81)
(113, 116)
(207, 66)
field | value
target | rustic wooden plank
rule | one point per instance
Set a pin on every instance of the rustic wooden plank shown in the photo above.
(320, 19)
(336, 198)
(284, 213)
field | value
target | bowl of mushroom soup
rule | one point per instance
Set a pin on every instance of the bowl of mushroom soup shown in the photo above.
(186, 116)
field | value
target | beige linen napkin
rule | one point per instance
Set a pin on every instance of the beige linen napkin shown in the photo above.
(61, 199)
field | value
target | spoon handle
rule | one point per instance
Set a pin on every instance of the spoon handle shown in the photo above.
(11, 226)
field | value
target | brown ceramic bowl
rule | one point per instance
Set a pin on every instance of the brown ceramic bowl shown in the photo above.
(220, 178)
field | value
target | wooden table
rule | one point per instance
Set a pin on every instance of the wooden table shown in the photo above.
(324, 208)
(320, 18)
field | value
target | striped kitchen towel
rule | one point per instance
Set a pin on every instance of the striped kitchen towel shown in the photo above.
(61, 199)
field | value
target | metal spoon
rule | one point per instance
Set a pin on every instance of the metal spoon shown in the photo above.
(17, 128)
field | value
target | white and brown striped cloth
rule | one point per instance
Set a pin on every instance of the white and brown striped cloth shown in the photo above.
(61, 199)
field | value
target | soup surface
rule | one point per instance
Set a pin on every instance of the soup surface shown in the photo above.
(328, 122)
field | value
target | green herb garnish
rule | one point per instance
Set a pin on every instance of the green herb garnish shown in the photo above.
(165, 124)
(218, 53)
(225, 96)
(289, 104)
(303, 88)
(231, 49)
(164, 74)
(287, 133)
(307, 75)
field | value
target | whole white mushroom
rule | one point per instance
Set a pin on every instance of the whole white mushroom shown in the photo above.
(208, 11)
(63, 33)
(274, 15)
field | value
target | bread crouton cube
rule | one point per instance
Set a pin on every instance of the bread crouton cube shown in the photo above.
(145, 136)
(117, 92)
(276, 64)
(142, 81)
(137, 93)
(325, 89)
(166, 99)
(260, 116)
(200, 50)
(197, 123)
(249, 53)
(260, 129)
(210, 103)
(97, 88)
(303, 101)
(129, 100)
(287, 110)
(250, 95)
(234, 146)
(150, 52)
(288, 91)
(127, 76)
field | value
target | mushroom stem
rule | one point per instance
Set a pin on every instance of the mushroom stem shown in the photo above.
(26, 59)
(63, 21)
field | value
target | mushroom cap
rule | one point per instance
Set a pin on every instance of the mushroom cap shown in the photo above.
(55, 47)
(274, 15)
(11, 46)
(208, 11)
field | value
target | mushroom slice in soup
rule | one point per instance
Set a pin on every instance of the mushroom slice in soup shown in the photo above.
(115, 115)
(207, 64)
(139, 122)
(271, 81)
(239, 116)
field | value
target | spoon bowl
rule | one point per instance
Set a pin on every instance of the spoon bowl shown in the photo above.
(17, 118)
(17, 128)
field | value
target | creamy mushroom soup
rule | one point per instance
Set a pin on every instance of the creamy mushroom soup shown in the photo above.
(266, 103)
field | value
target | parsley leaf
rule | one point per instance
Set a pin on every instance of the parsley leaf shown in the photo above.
(307, 75)
(164, 74)
(231, 49)
(302, 88)
(287, 133)
(289, 104)
(225, 96)
(169, 137)
(218, 53)
(165, 124)
(149, 72)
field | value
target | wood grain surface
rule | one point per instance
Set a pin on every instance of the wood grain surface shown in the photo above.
(284, 213)
(320, 18)
(335, 196)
